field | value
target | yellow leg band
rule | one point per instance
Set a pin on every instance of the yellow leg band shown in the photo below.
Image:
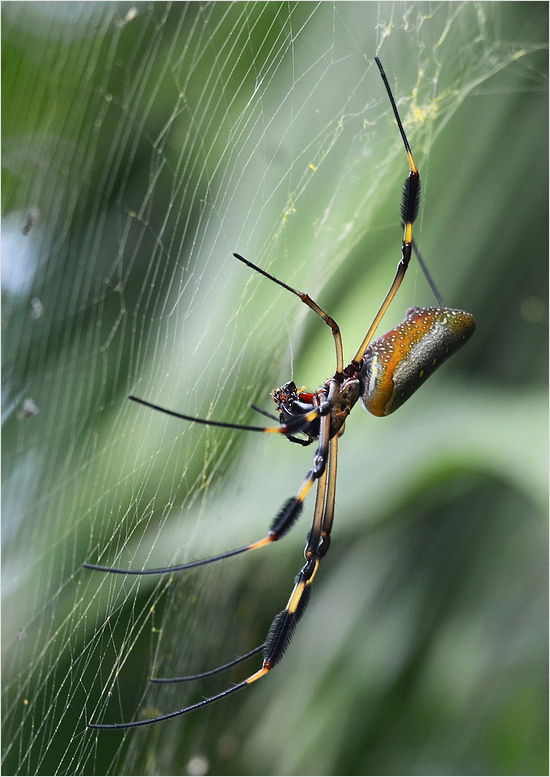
(256, 676)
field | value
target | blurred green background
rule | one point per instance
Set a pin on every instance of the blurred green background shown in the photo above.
(142, 145)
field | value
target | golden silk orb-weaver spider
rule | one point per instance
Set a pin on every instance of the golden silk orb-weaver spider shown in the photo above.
(384, 373)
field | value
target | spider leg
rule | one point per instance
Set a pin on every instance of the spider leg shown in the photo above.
(427, 273)
(306, 299)
(264, 412)
(283, 625)
(285, 622)
(298, 441)
(281, 524)
(148, 721)
(290, 437)
(328, 514)
(318, 543)
(409, 212)
(292, 426)
(211, 672)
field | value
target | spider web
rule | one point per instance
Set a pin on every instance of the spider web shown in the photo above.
(143, 144)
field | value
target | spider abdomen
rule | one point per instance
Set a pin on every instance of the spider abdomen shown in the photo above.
(398, 363)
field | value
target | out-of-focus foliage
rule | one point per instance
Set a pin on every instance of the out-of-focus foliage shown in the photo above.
(142, 144)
